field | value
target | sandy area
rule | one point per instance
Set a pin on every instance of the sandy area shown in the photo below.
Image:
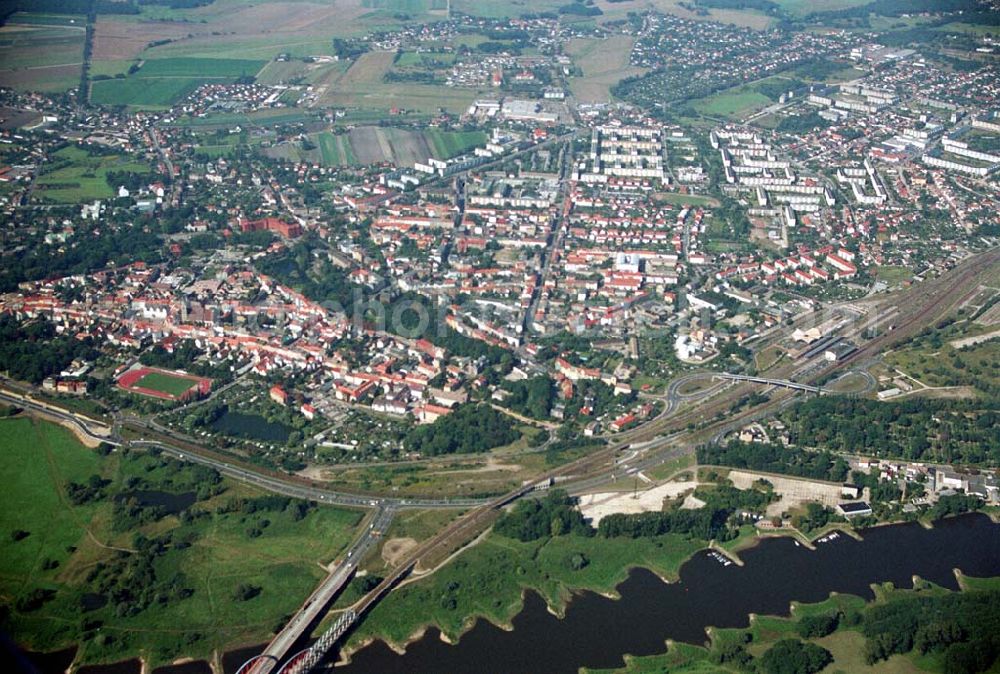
(970, 341)
(793, 492)
(395, 550)
(597, 506)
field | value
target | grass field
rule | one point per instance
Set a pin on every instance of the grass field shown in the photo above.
(972, 28)
(686, 199)
(942, 365)
(66, 541)
(604, 62)
(362, 86)
(280, 72)
(492, 575)
(412, 58)
(894, 275)
(732, 103)
(160, 381)
(846, 645)
(665, 470)
(79, 177)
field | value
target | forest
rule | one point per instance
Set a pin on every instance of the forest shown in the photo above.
(965, 627)
(947, 431)
(534, 519)
(775, 458)
(85, 252)
(531, 397)
(32, 352)
(468, 429)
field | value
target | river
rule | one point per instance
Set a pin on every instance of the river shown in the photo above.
(597, 631)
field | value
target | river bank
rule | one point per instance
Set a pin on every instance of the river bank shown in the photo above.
(650, 612)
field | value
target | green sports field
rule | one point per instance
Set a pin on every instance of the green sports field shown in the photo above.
(165, 383)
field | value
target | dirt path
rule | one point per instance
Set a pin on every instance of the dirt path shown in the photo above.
(528, 420)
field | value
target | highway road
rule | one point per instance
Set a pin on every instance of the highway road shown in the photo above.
(314, 608)
(287, 487)
(86, 427)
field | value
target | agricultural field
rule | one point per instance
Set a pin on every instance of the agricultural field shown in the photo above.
(141, 92)
(163, 82)
(207, 68)
(75, 177)
(604, 62)
(616, 11)
(41, 52)
(224, 575)
(336, 150)
(447, 144)
(362, 85)
(124, 38)
(364, 145)
(407, 6)
(804, 7)
(244, 29)
(493, 9)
